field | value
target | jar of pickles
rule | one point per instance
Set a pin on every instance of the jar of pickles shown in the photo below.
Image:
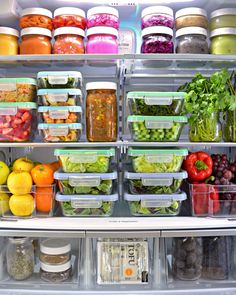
(223, 41)
(103, 16)
(101, 111)
(36, 17)
(223, 18)
(191, 17)
(157, 16)
(8, 41)
(69, 17)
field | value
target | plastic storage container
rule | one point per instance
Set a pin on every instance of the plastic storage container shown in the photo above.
(90, 161)
(155, 205)
(229, 130)
(154, 183)
(8, 41)
(156, 128)
(58, 115)
(157, 16)
(101, 111)
(157, 160)
(69, 40)
(157, 39)
(103, 16)
(36, 41)
(61, 132)
(59, 97)
(192, 40)
(69, 17)
(191, 17)
(17, 121)
(223, 41)
(156, 103)
(56, 273)
(223, 18)
(85, 183)
(87, 205)
(59, 79)
(17, 89)
(36, 17)
(102, 40)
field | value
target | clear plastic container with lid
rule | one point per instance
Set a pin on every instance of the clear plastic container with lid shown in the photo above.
(36, 17)
(8, 41)
(36, 41)
(157, 16)
(59, 97)
(223, 18)
(191, 17)
(157, 39)
(103, 16)
(102, 40)
(101, 111)
(69, 17)
(68, 40)
(56, 273)
(60, 114)
(223, 41)
(192, 40)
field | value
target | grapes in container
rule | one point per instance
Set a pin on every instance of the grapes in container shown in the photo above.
(36, 17)
(61, 114)
(103, 16)
(191, 17)
(59, 97)
(69, 17)
(157, 16)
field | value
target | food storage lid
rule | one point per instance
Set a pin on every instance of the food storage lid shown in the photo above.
(9, 31)
(61, 74)
(102, 9)
(157, 30)
(157, 10)
(102, 31)
(59, 91)
(55, 268)
(69, 11)
(86, 153)
(36, 10)
(101, 85)
(44, 126)
(18, 81)
(223, 31)
(25, 105)
(223, 11)
(173, 197)
(177, 152)
(36, 31)
(70, 31)
(55, 246)
(191, 11)
(88, 200)
(191, 31)
(72, 109)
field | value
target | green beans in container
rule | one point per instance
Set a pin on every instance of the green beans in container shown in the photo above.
(156, 103)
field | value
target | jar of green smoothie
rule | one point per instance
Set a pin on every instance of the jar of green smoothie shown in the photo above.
(223, 18)
(223, 41)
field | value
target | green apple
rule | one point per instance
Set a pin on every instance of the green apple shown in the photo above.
(4, 203)
(4, 172)
(23, 164)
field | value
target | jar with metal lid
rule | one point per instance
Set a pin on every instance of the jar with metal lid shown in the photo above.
(36, 41)
(101, 111)
(8, 41)
(69, 17)
(55, 273)
(36, 17)
(223, 41)
(103, 16)
(55, 251)
(192, 40)
(157, 39)
(157, 16)
(68, 40)
(102, 40)
(20, 258)
(223, 18)
(191, 17)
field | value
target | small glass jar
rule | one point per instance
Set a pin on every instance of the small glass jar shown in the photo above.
(157, 16)
(157, 40)
(20, 258)
(223, 18)
(191, 17)
(55, 273)
(223, 41)
(192, 40)
(69, 17)
(101, 111)
(36, 17)
(102, 40)
(68, 40)
(8, 41)
(36, 41)
(230, 126)
(103, 16)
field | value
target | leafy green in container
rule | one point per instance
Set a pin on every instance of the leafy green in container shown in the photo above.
(105, 210)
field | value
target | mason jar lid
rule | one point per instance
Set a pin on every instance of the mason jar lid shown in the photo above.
(157, 30)
(55, 268)
(55, 246)
(191, 11)
(223, 31)
(191, 31)
(69, 11)
(9, 31)
(102, 9)
(223, 11)
(103, 31)
(101, 85)
(36, 31)
(69, 30)
(36, 10)
(18, 240)
(157, 10)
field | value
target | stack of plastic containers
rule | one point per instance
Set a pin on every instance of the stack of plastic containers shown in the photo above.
(88, 186)
(60, 111)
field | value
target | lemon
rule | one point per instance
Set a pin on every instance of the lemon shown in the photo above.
(4, 203)
(19, 183)
(4, 172)
(22, 205)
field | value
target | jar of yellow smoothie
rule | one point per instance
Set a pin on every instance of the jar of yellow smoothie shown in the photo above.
(8, 41)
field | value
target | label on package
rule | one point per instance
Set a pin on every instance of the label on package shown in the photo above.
(59, 131)
(155, 204)
(159, 158)
(84, 181)
(87, 203)
(58, 114)
(57, 97)
(157, 181)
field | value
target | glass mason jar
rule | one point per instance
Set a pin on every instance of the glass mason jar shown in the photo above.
(223, 18)
(223, 41)
(20, 258)
(103, 16)
(36, 17)
(187, 258)
(8, 41)
(191, 17)
(69, 17)
(229, 130)
(101, 111)
(206, 128)
(157, 16)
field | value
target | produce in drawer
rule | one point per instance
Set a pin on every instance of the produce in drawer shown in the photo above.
(58, 115)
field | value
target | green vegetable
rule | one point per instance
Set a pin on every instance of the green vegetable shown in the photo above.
(44, 83)
(136, 187)
(105, 210)
(137, 209)
(230, 126)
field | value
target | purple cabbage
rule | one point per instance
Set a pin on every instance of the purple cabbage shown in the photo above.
(157, 20)
(157, 44)
(103, 19)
